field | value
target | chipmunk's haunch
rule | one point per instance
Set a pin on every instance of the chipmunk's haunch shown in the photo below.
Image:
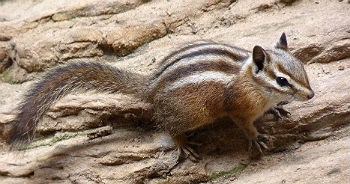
(193, 86)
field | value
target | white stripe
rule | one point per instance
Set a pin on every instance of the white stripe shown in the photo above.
(199, 48)
(190, 50)
(199, 78)
(194, 60)
(199, 59)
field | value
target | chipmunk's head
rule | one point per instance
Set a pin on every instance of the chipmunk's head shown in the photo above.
(280, 74)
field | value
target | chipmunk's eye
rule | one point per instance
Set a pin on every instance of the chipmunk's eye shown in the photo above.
(282, 81)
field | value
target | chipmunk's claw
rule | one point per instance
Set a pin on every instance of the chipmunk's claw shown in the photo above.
(188, 152)
(279, 112)
(259, 144)
(185, 149)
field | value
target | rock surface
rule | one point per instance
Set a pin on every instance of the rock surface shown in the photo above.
(102, 138)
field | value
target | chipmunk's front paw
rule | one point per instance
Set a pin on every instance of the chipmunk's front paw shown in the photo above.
(260, 144)
(279, 112)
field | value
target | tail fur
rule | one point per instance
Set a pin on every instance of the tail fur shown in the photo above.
(61, 81)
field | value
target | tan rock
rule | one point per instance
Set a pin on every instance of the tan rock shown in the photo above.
(75, 140)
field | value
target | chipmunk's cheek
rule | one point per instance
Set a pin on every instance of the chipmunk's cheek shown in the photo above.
(304, 95)
(301, 97)
(279, 97)
(289, 98)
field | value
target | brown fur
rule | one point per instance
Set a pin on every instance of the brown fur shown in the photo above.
(246, 104)
(203, 104)
(191, 105)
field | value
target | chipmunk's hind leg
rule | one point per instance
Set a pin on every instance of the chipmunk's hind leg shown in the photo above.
(259, 144)
(177, 115)
(185, 148)
(256, 140)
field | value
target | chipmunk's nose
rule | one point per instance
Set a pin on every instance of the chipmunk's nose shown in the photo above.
(311, 95)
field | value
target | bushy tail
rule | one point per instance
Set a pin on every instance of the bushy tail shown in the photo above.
(62, 80)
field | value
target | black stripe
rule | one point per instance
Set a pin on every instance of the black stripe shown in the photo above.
(185, 49)
(222, 66)
(207, 51)
(184, 71)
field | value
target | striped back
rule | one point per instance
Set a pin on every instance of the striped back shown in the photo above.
(197, 63)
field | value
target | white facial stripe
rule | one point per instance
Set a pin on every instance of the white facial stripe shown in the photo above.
(199, 78)
(280, 74)
(297, 86)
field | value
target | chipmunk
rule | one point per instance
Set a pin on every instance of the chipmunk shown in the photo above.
(192, 87)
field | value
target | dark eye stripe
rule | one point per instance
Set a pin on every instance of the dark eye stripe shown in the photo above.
(267, 85)
(264, 83)
(286, 72)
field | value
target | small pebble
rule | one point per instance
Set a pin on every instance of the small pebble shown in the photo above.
(341, 68)
(325, 71)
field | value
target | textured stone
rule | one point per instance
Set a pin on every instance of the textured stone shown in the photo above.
(75, 141)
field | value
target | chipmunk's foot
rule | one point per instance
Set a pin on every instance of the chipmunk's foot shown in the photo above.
(185, 149)
(260, 144)
(279, 112)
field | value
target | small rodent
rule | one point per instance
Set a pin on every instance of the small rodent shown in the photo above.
(192, 87)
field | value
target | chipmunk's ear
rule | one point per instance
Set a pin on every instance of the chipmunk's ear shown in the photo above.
(282, 42)
(259, 56)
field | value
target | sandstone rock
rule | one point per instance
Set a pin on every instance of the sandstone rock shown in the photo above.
(336, 51)
(316, 162)
(223, 144)
(75, 141)
(8, 54)
(66, 33)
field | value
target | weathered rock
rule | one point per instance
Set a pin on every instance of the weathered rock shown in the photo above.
(76, 142)
(77, 31)
(336, 51)
(317, 162)
(223, 144)
(8, 54)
